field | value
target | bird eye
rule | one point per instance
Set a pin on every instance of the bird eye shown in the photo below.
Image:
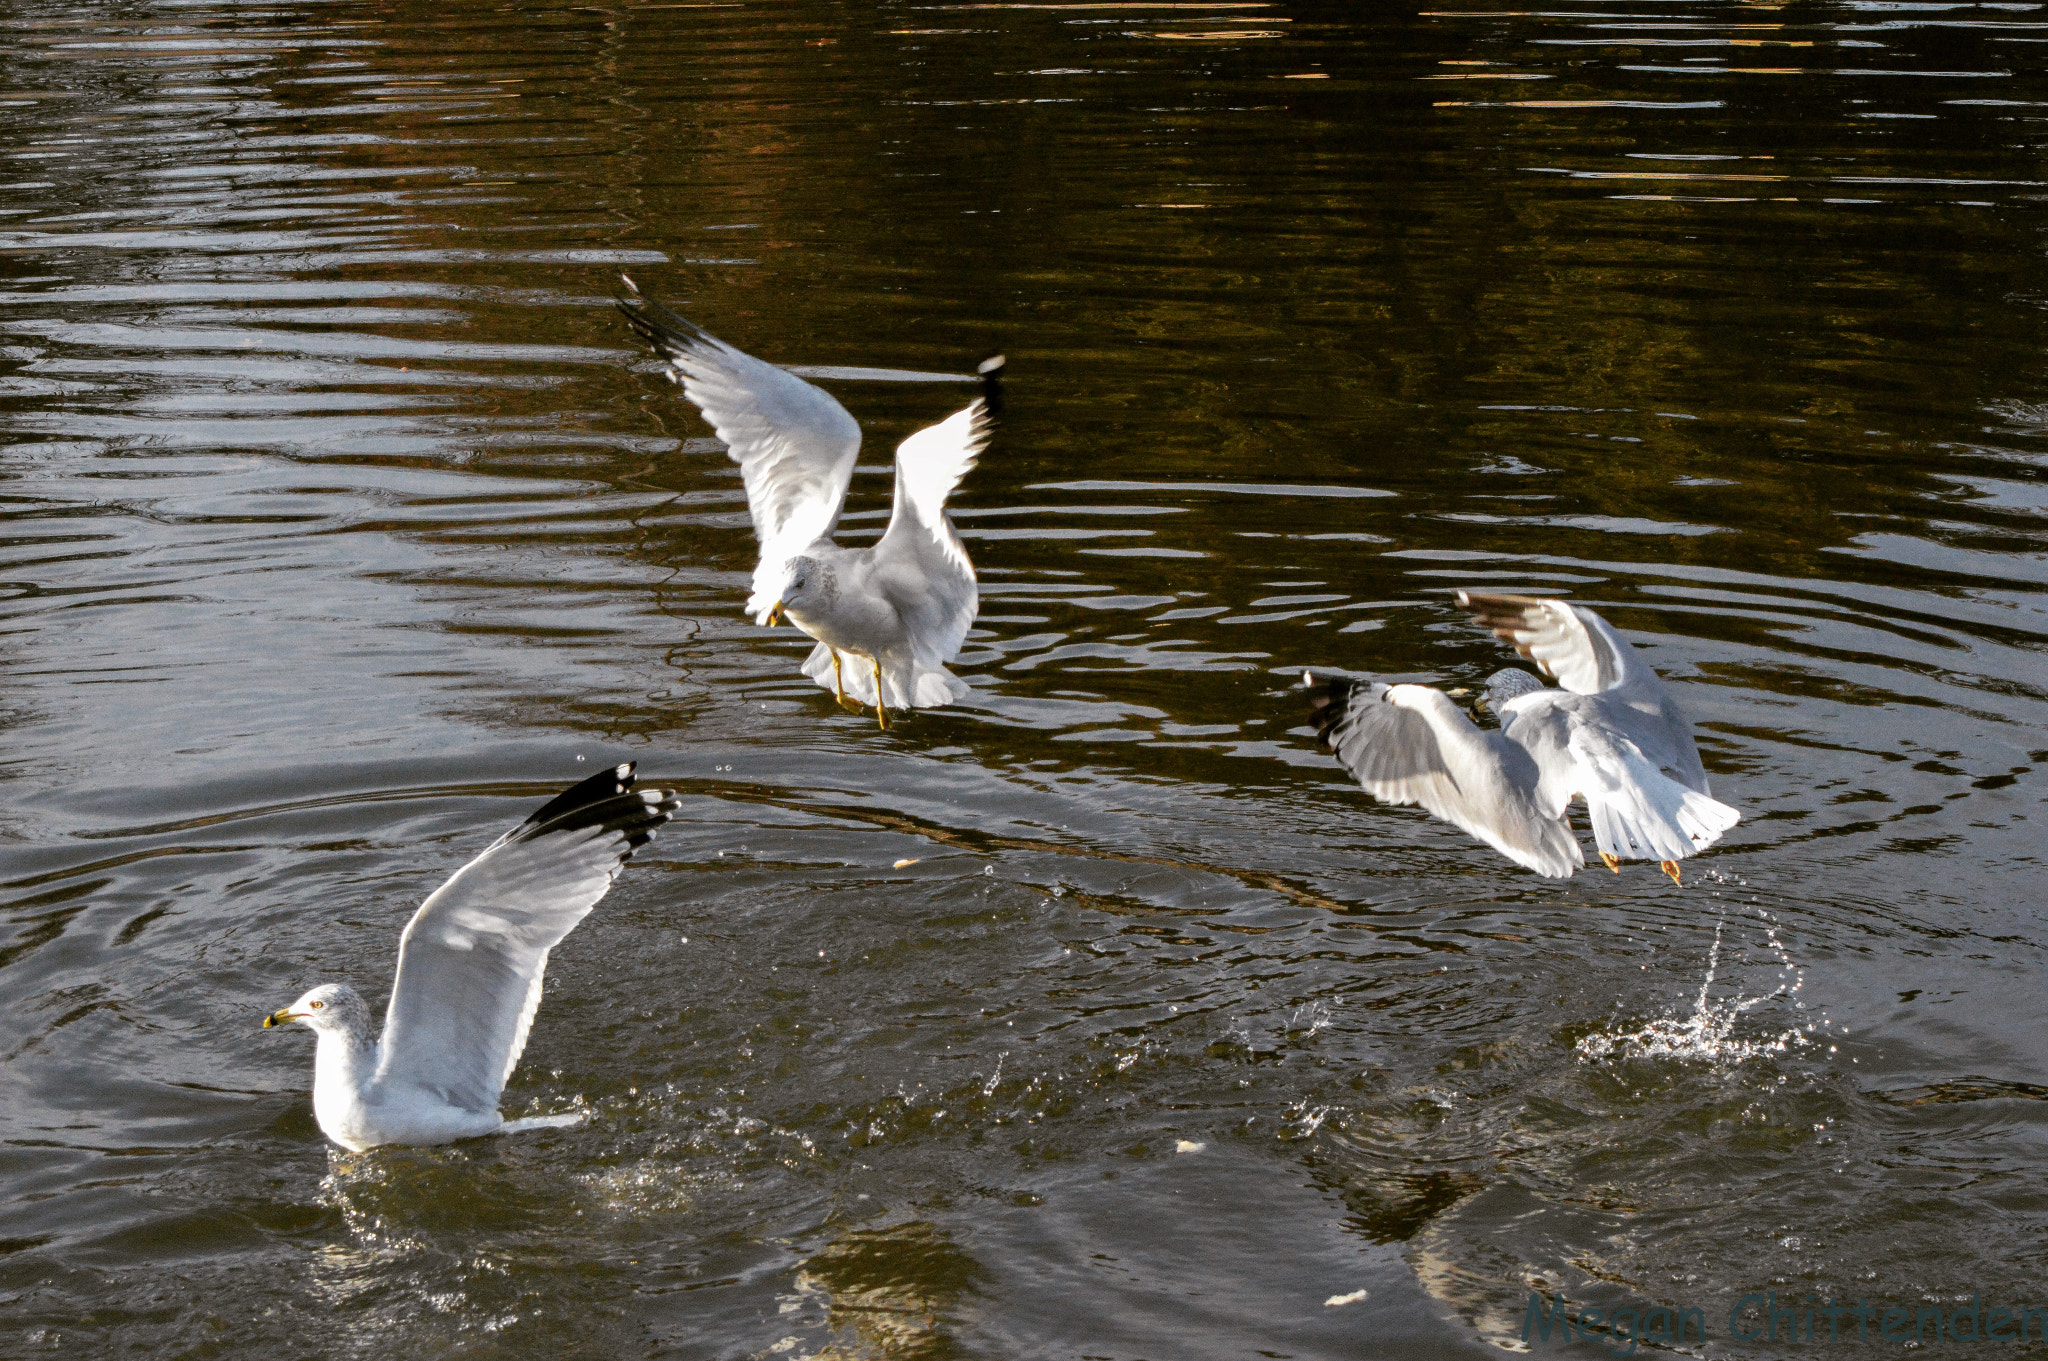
(318, 1005)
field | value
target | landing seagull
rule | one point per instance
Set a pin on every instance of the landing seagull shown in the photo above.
(904, 605)
(469, 969)
(1611, 736)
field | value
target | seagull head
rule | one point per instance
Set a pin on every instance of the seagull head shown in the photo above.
(810, 588)
(332, 1006)
(1505, 686)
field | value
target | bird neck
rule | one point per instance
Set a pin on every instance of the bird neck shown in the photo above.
(344, 1058)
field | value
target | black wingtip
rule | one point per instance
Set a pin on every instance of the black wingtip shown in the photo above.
(606, 784)
(1328, 699)
(663, 328)
(608, 800)
(991, 371)
(633, 308)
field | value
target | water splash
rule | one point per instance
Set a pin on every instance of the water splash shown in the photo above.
(1302, 1119)
(1709, 1031)
(1307, 1019)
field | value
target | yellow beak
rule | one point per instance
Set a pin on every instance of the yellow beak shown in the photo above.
(776, 616)
(280, 1017)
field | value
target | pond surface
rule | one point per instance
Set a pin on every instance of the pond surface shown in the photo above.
(344, 521)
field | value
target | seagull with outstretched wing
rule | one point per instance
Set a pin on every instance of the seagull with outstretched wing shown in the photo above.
(469, 976)
(1612, 736)
(903, 605)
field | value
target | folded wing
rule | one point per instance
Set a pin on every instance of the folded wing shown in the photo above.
(794, 442)
(471, 959)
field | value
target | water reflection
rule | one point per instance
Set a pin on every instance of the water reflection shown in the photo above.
(889, 1289)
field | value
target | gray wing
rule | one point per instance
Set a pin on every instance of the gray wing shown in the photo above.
(1589, 658)
(1389, 750)
(920, 563)
(471, 959)
(1483, 784)
(795, 443)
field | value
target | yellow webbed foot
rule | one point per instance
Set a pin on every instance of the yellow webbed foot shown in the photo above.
(1670, 867)
(1612, 862)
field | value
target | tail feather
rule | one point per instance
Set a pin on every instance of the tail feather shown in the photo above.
(1653, 817)
(924, 689)
(937, 687)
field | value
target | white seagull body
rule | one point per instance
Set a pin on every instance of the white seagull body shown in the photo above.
(469, 976)
(1611, 736)
(904, 605)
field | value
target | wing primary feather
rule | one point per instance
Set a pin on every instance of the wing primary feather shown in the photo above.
(1558, 637)
(659, 326)
(1329, 700)
(636, 813)
(606, 784)
(991, 371)
(1505, 615)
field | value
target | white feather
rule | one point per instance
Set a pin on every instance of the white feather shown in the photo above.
(1611, 735)
(470, 965)
(908, 602)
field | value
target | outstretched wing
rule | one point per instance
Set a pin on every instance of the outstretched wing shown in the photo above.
(1389, 750)
(795, 443)
(1589, 658)
(1398, 754)
(471, 959)
(1574, 645)
(920, 563)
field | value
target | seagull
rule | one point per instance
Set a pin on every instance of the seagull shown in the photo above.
(903, 606)
(1611, 736)
(469, 968)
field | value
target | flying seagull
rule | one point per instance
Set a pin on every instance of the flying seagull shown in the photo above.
(469, 969)
(902, 606)
(1611, 736)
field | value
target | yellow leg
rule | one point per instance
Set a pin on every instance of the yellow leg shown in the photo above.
(851, 706)
(1612, 862)
(881, 708)
(1670, 867)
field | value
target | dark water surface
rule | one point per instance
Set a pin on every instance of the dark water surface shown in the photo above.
(343, 521)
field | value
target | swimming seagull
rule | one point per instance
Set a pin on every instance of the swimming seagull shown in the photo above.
(469, 968)
(904, 605)
(1611, 735)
